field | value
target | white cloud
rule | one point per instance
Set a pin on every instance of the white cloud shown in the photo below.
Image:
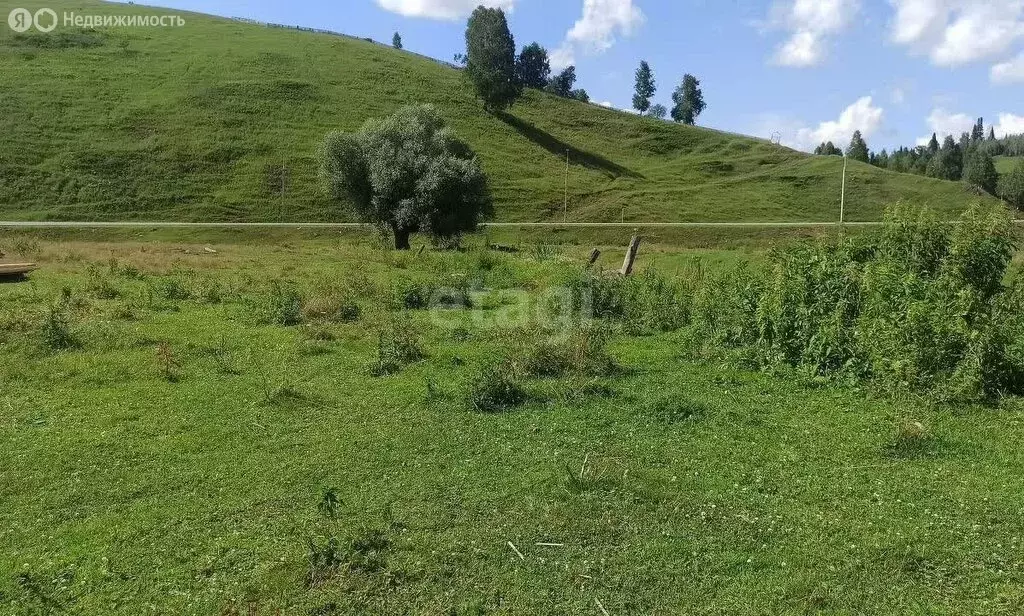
(810, 23)
(918, 20)
(607, 104)
(1009, 124)
(862, 115)
(943, 123)
(441, 9)
(596, 29)
(957, 32)
(1011, 71)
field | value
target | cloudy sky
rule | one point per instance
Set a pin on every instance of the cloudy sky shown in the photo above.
(810, 70)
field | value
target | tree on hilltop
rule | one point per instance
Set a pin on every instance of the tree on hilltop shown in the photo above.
(689, 101)
(644, 88)
(491, 59)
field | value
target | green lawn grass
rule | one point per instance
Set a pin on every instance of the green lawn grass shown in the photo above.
(221, 120)
(173, 460)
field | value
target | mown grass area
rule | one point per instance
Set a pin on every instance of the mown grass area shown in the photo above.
(188, 424)
(221, 120)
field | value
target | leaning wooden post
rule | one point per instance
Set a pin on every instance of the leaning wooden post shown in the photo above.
(594, 254)
(634, 246)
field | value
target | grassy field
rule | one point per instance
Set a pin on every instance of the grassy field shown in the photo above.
(197, 418)
(221, 120)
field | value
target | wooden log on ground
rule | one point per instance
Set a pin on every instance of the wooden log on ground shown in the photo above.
(627, 263)
(16, 269)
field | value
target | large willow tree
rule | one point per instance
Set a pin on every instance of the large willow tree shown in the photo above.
(408, 173)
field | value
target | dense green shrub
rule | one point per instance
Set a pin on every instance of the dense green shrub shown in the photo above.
(922, 306)
(411, 294)
(648, 302)
(1011, 186)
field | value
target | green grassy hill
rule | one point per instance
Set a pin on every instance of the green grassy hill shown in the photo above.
(220, 120)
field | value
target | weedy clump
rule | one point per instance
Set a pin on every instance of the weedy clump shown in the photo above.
(411, 294)
(210, 292)
(281, 305)
(364, 553)
(168, 362)
(333, 306)
(171, 289)
(124, 270)
(911, 439)
(452, 298)
(496, 388)
(223, 357)
(99, 285)
(649, 302)
(582, 351)
(55, 332)
(398, 344)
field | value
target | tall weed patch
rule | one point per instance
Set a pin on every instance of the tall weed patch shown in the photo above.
(647, 303)
(922, 306)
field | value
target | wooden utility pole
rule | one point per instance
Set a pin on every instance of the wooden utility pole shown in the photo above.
(627, 263)
(565, 204)
(842, 196)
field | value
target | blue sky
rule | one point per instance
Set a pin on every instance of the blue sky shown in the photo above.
(810, 69)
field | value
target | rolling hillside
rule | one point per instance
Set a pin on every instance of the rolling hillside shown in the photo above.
(221, 120)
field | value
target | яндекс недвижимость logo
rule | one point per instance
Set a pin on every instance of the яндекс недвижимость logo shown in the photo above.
(46, 20)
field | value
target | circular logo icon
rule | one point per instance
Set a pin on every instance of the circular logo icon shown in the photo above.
(45, 20)
(20, 20)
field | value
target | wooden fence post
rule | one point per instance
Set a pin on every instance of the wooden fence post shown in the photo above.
(634, 246)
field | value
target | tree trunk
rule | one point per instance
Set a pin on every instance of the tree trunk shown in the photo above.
(401, 238)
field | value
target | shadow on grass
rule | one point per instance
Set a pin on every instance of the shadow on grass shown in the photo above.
(558, 147)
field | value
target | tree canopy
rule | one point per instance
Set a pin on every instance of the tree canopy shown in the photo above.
(562, 83)
(644, 88)
(858, 149)
(689, 100)
(980, 171)
(828, 149)
(533, 67)
(396, 41)
(948, 162)
(407, 173)
(491, 59)
(658, 111)
(1011, 186)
